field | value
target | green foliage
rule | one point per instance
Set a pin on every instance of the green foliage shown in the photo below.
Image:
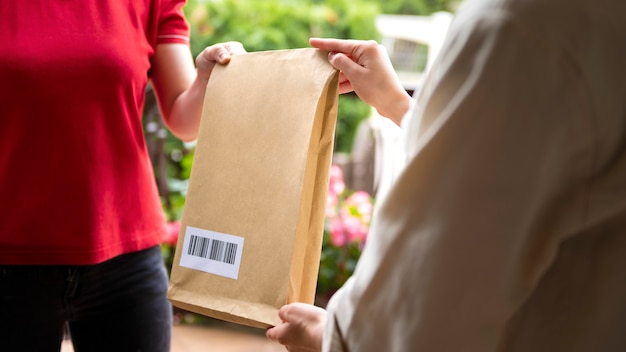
(278, 24)
(416, 7)
(336, 266)
(351, 112)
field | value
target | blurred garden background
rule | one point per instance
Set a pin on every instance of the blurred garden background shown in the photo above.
(285, 24)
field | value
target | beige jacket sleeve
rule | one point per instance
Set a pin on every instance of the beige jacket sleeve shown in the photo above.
(499, 154)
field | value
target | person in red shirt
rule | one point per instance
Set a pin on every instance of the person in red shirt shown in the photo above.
(81, 215)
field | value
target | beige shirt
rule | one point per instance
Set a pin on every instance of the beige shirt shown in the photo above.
(506, 231)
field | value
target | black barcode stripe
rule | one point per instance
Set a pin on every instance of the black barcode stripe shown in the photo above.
(210, 248)
(217, 248)
(198, 246)
(231, 252)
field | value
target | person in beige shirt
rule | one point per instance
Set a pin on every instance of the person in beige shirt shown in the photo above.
(506, 229)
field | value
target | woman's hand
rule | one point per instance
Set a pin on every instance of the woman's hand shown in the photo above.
(302, 329)
(216, 54)
(366, 69)
(181, 88)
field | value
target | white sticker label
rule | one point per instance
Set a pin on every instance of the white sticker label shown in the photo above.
(212, 252)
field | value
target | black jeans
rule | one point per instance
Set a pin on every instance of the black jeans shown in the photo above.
(118, 305)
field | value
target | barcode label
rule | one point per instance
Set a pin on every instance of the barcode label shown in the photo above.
(212, 249)
(212, 252)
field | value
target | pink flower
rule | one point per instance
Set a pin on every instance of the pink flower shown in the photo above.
(331, 204)
(354, 228)
(360, 204)
(348, 216)
(336, 185)
(337, 236)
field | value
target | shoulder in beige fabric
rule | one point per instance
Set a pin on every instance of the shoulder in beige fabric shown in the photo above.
(506, 231)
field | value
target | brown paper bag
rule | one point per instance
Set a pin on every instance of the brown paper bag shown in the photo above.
(253, 220)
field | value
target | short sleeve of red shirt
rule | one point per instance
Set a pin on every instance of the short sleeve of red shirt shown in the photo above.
(173, 28)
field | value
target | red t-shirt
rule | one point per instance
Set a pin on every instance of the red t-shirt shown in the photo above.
(76, 182)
